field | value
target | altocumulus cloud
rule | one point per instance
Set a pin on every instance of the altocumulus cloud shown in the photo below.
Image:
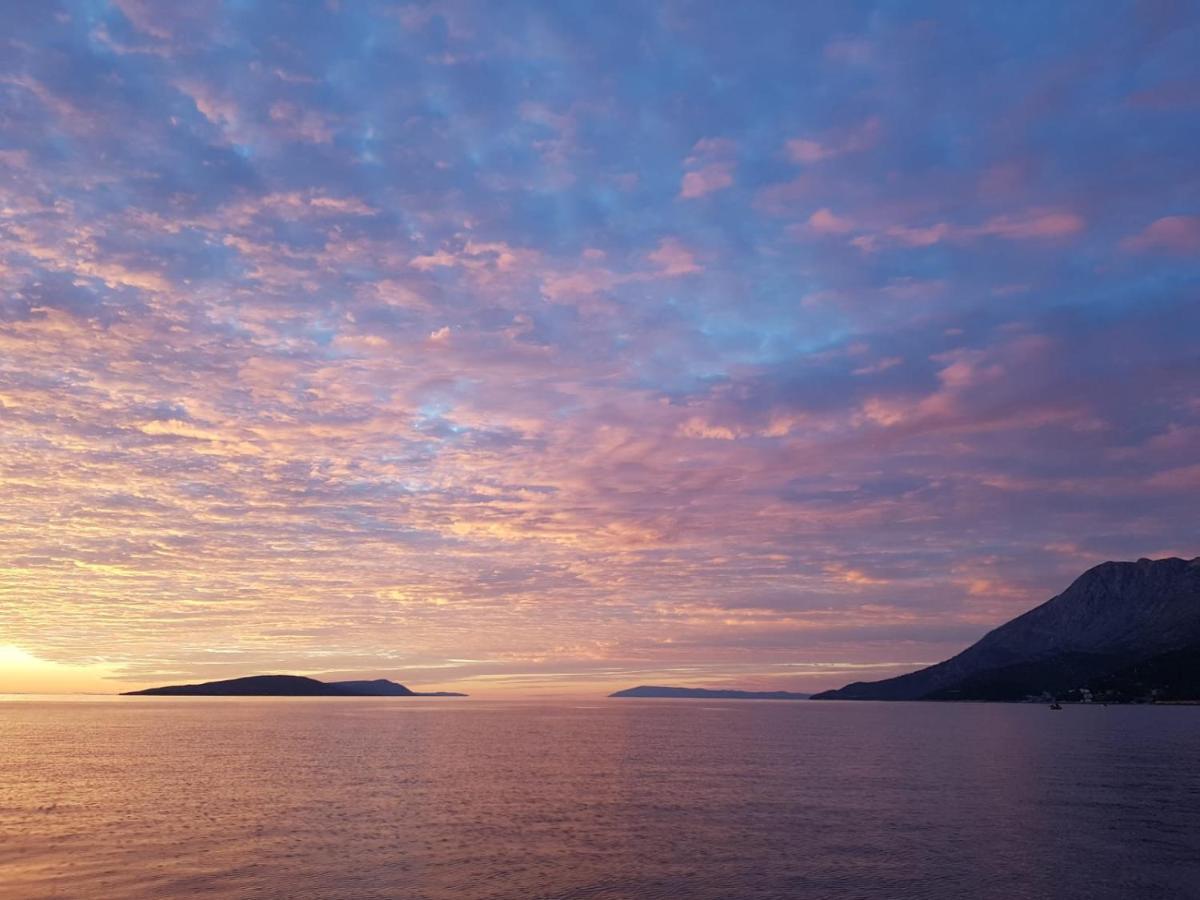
(527, 345)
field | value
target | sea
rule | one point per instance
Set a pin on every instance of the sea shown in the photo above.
(155, 797)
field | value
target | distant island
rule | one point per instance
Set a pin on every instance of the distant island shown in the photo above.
(650, 690)
(1123, 632)
(287, 686)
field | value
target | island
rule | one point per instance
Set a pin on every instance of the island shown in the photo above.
(287, 686)
(645, 691)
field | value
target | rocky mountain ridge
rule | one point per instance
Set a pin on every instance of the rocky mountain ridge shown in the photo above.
(1112, 617)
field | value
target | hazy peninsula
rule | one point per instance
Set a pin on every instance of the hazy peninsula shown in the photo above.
(651, 690)
(288, 686)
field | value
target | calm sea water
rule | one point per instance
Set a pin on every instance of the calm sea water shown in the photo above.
(160, 797)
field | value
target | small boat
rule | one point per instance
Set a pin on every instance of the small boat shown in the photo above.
(1056, 705)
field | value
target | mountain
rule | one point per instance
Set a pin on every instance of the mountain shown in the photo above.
(254, 686)
(650, 690)
(287, 686)
(380, 687)
(1113, 618)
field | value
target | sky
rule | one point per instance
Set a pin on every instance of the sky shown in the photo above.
(547, 348)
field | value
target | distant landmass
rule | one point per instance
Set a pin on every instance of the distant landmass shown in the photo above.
(1122, 632)
(288, 686)
(650, 690)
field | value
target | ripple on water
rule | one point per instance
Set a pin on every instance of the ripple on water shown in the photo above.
(152, 797)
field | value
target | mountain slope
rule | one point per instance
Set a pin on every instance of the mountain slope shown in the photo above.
(379, 687)
(1172, 676)
(1112, 616)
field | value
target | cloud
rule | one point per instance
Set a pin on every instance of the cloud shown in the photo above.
(520, 357)
(706, 180)
(882, 365)
(1048, 224)
(823, 221)
(1032, 225)
(710, 168)
(673, 258)
(219, 110)
(803, 150)
(1170, 234)
(301, 124)
(440, 259)
(925, 236)
(473, 255)
(146, 17)
(863, 136)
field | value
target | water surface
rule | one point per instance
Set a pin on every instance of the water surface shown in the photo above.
(362, 797)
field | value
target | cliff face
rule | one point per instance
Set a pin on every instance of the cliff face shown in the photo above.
(1112, 616)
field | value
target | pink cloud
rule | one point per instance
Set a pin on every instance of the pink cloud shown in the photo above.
(711, 166)
(697, 427)
(222, 111)
(439, 260)
(704, 181)
(803, 150)
(1037, 224)
(919, 237)
(348, 206)
(72, 115)
(1173, 234)
(861, 137)
(172, 22)
(978, 390)
(1183, 478)
(674, 259)
(474, 256)
(671, 258)
(824, 221)
(1032, 225)
(559, 287)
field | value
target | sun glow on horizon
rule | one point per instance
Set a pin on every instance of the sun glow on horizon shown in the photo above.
(23, 673)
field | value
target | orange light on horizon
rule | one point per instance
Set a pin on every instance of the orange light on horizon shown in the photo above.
(23, 673)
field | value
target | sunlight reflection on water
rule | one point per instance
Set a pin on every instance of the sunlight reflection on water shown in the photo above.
(172, 797)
